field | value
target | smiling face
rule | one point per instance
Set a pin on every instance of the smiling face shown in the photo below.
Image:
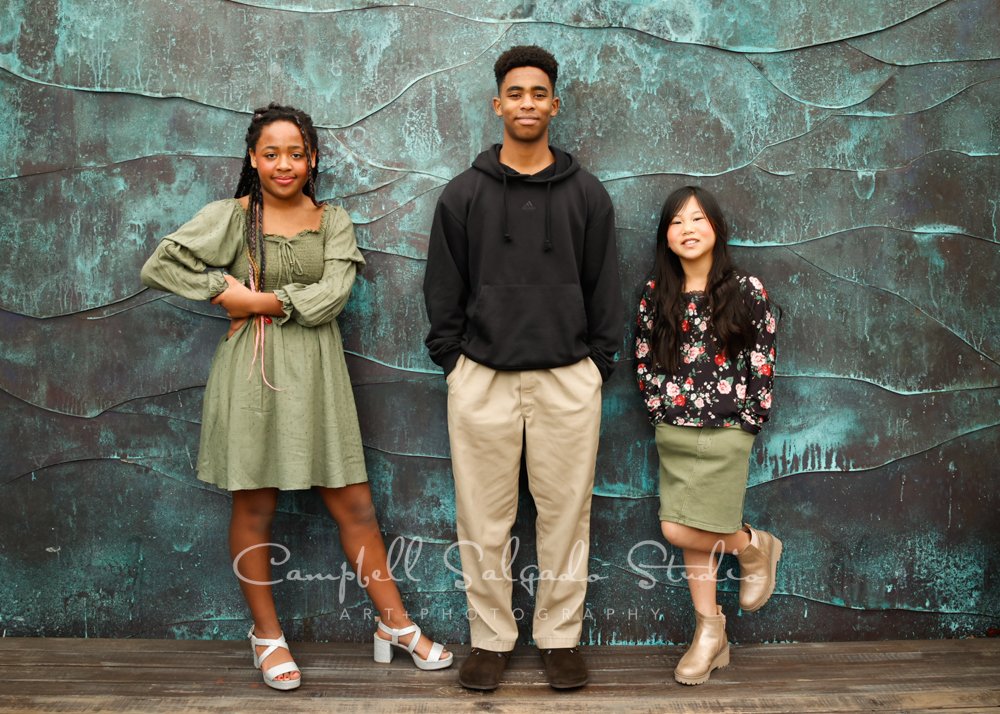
(527, 103)
(281, 162)
(690, 235)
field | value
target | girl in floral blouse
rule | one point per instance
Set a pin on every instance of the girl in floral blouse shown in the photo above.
(705, 363)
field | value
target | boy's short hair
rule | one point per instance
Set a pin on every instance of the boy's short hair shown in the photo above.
(526, 56)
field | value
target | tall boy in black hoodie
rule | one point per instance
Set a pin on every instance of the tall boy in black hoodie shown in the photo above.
(523, 296)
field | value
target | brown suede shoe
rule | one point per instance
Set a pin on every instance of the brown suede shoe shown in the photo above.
(482, 669)
(565, 667)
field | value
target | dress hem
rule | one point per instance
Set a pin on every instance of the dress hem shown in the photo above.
(283, 487)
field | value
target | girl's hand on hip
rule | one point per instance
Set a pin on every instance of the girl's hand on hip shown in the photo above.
(235, 324)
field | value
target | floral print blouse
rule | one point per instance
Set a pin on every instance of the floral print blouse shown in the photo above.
(709, 389)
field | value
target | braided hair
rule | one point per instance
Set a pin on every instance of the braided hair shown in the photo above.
(249, 183)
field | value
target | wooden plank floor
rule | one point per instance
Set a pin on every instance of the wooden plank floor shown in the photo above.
(77, 675)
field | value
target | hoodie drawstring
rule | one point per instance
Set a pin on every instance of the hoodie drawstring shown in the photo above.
(488, 162)
(547, 246)
(506, 208)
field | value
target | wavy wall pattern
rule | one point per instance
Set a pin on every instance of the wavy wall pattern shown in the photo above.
(857, 152)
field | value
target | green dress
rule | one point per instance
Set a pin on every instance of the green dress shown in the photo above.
(304, 432)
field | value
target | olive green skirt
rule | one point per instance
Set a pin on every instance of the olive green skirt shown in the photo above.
(703, 475)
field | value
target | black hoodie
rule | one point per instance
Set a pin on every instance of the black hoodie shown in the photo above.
(522, 271)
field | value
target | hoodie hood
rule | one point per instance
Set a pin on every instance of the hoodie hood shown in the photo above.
(565, 166)
(489, 163)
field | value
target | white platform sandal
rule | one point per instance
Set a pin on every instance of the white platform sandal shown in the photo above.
(270, 675)
(383, 648)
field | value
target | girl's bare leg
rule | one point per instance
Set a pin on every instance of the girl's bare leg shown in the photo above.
(687, 537)
(700, 569)
(249, 531)
(361, 539)
(701, 552)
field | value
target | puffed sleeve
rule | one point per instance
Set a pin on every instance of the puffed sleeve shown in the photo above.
(320, 302)
(760, 382)
(182, 263)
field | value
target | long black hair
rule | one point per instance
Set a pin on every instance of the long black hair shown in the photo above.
(729, 314)
(249, 183)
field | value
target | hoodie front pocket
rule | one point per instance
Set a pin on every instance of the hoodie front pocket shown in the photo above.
(526, 326)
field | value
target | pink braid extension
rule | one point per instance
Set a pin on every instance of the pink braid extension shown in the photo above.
(258, 332)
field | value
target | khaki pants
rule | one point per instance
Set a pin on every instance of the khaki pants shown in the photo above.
(557, 414)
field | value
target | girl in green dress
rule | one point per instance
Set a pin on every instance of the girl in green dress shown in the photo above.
(278, 410)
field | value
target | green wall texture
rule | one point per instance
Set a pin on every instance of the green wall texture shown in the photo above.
(855, 145)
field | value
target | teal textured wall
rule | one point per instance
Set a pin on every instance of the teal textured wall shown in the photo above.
(855, 145)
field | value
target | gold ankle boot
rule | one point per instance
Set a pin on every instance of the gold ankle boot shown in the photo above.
(709, 649)
(758, 568)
